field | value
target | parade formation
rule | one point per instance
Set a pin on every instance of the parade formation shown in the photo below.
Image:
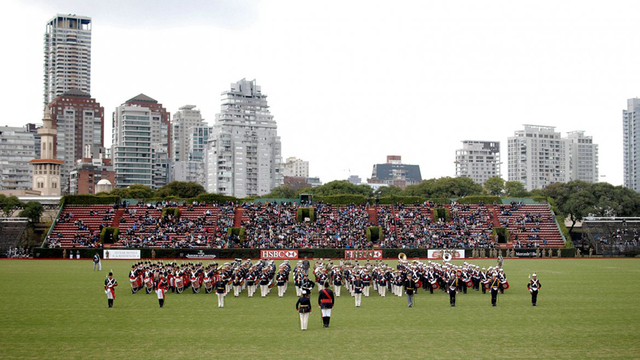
(358, 279)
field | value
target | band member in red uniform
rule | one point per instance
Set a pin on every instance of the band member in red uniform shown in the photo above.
(161, 288)
(534, 286)
(326, 299)
(109, 288)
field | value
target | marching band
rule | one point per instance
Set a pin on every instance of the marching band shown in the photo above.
(357, 279)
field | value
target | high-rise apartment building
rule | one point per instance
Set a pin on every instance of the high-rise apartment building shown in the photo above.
(537, 157)
(17, 148)
(631, 144)
(67, 55)
(583, 157)
(79, 121)
(190, 137)
(140, 143)
(244, 153)
(478, 160)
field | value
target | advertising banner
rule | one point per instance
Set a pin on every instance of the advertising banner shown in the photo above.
(279, 254)
(121, 254)
(362, 254)
(200, 254)
(439, 254)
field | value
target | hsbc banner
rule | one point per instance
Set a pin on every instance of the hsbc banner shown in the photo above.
(362, 254)
(438, 254)
(279, 254)
(121, 254)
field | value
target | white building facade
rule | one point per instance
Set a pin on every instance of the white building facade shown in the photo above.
(67, 55)
(190, 137)
(478, 160)
(537, 157)
(583, 157)
(17, 148)
(244, 154)
(296, 167)
(132, 149)
(631, 144)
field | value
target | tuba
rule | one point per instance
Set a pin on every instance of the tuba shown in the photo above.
(402, 256)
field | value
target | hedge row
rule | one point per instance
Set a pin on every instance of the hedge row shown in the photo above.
(106, 231)
(174, 212)
(89, 200)
(239, 231)
(374, 234)
(304, 213)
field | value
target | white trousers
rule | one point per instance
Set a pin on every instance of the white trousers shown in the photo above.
(336, 290)
(358, 299)
(365, 290)
(236, 290)
(304, 320)
(281, 290)
(97, 265)
(264, 290)
(382, 290)
(326, 312)
(220, 299)
(251, 290)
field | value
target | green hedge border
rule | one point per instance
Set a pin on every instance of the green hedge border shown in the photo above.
(175, 212)
(496, 232)
(109, 230)
(236, 231)
(306, 212)
(374, 234)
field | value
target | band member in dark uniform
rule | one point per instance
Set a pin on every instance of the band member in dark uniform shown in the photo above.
(307, 284)
(221, 288)
(494, 286)
(110, 289)
(358, 286)
(303, 306)
(534, 286)
(326, 300)
(409, 288)
(452, 288)
(160, 289)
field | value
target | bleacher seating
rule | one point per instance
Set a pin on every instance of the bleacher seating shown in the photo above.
(275, 226)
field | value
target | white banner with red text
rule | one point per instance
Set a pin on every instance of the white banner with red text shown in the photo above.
(362, 254)
(121, 254)
(439, 254)
(279, 254)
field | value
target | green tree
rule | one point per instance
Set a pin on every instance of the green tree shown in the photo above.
(32, 210)
(388, 191)
(340, 187)
(494, 186)
(136, 191)
(515, 189)
(445, 187)
(8, 205)
(574, 199)
(282, 192)
(180, 189)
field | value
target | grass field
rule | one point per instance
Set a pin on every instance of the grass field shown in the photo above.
(587, 308)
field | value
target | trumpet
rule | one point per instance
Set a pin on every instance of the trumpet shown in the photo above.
(402, 256)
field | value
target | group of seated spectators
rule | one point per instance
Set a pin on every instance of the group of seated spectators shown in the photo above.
(276, 226)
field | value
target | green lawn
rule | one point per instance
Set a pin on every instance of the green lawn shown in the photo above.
(587, 308)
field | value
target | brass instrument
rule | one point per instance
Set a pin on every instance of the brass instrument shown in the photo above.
(402, 256)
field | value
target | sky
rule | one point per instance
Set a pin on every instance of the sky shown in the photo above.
(350, 82)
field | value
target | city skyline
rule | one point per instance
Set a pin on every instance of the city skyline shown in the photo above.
(398, 79)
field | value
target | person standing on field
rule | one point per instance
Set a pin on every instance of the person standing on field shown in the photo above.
(161, 287)
(221, 288)
(96, 262)
(534, 286)
(110, 289)
(303, 306)
(326, 300)
(410, 288)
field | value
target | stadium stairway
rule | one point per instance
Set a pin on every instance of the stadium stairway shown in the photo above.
(11, 234)
(237, 219)
(116, 217)
(494, 216)
(373, 216)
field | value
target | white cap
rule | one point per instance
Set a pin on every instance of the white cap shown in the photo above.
(304, 292)
(534, 274)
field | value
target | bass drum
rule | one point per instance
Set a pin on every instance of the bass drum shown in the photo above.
(505, 285)
(447, 256)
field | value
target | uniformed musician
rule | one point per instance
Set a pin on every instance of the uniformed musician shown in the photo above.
(410, 288)
(534, 286)
(303, 306)
(109, 288)
(452, 288)
(326, 299)
(221, 289)
(494, 286)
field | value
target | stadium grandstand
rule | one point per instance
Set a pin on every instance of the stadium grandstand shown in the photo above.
(277, 225)
(613, 236)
